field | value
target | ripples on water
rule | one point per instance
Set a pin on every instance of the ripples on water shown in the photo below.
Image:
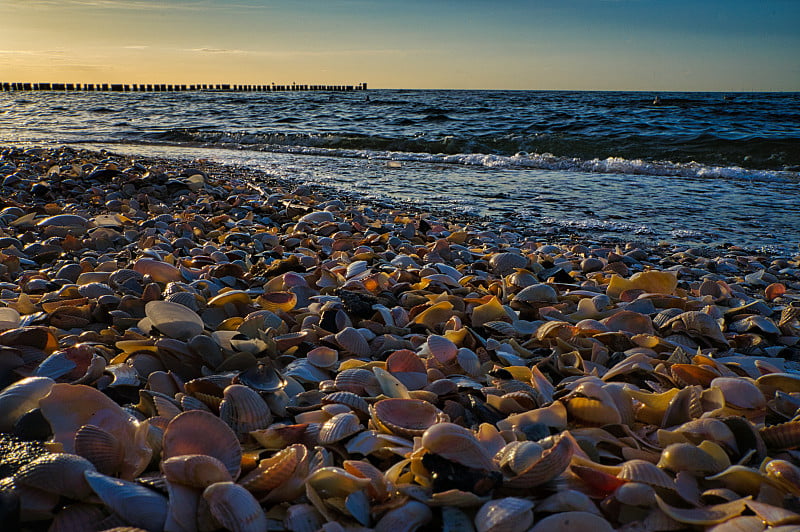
(698, 167)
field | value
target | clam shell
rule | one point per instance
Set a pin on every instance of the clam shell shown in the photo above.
(136, 504)
(537, 293)
(646, 473)
(173, 320)
(353, 342)
(339, 427)
(244, 410)
(710, 515)
(160, 272)
(504, 515)
(275, 470)
(195, 470)
(457, 444)
(199, 432)
(552, 463)
(406, 417)
(323, 357)
(235, 508)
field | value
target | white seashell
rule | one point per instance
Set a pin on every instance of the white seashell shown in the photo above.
(173, 320)
(21, 397)
(509, 514)
(244, 410)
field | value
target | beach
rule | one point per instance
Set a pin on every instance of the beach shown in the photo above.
(191, 345)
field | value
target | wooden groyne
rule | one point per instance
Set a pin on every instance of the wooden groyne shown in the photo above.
(164, 87)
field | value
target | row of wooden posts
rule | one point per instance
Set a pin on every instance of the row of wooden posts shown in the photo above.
(162, 87)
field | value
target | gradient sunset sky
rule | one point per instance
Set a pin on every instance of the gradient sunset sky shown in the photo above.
(723, 45)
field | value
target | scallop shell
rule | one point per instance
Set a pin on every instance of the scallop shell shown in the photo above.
(353, 342)
(350, 399)
(101, 448)
(199, 432)
(504, 515)
(339, 427)
(406, 417)
(571, 521)
(244, 410)
(552, 463)
(274, 471)
(187, 299)
(646, 473)
(235, 508)
(358, 381)
(21, 397)
(442, 348)
(323, 357)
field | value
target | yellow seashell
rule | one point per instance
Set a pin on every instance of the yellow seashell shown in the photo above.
(434, 315)
(651, 282)
(490, 311)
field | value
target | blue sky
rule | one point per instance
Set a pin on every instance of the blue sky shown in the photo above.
(546, 44)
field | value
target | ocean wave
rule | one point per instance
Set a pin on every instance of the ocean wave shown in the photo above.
(451, 150)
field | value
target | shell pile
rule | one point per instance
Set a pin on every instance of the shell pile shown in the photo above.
(206, 353)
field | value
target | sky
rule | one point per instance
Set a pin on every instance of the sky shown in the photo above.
(706, 45)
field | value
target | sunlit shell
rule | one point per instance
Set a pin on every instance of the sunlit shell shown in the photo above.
(335, 482)
(135, 504)
(505, 263)
(457, 444)
(235, 508)
(244, 410)
(784, 473)
(339, 427)
(651, 282)
(199, 432)
(59, 473)
(160, 272)
(406, 417)
(688, 457)
(358, 381)
(552, 463)
(646, 473)
(69, 407)
(173, 319)
(275, 470)
(187, 299)
(630, 322)
(506, 514)
(782, 436)
(488, 312)
(442, 349)
(353, 401)
(278, 301)
(518, 456)
(709, 515)
(21, 397)
(740, 393)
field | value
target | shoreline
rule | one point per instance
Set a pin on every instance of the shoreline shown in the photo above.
(348, 337)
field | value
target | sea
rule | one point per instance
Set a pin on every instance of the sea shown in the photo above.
(700, 169)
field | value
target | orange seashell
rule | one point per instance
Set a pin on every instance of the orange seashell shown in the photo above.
(278, 301)
(160, 272)
(406, 417)
(773, 291)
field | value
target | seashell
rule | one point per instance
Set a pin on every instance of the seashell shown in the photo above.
(773, 515)
(537, 293)
(278, 301)
(434, 315)
(59, 473)
(488, 312)
(710, 515)
(570, 521)
(784, 473)
(199, 432)
(339, 427)
(654, 282)
(274, 471)
(552, 463)
(303, 518)
(517, 456)
(173, 320)
(160, 272)
(350, 399)
(457, 444)
(408, 368)
(9, 318)
(782, 436)
(358, 381)
(69, 407)
(405, 417)
(244, 410)
(646, 473)
(262, 378)
(745, 523)
(507, 262)
(630, 322)
(323, 357)
(353, 342)
(377, 488)
(506, 514)
(101, 448)
(442, 348)
(235, 508)
(740, 392)
(389, 384)
(21, 397)
(687, 457)
(195, 470)
(331, 482)
(76, 517)
(187, 299)
(698, 325)
(137, 505)
(406, 518)
(759, 324)
(567, 501)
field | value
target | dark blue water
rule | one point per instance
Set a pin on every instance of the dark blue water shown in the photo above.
(699, 167)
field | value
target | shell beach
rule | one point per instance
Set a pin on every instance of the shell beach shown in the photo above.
(188, 346)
